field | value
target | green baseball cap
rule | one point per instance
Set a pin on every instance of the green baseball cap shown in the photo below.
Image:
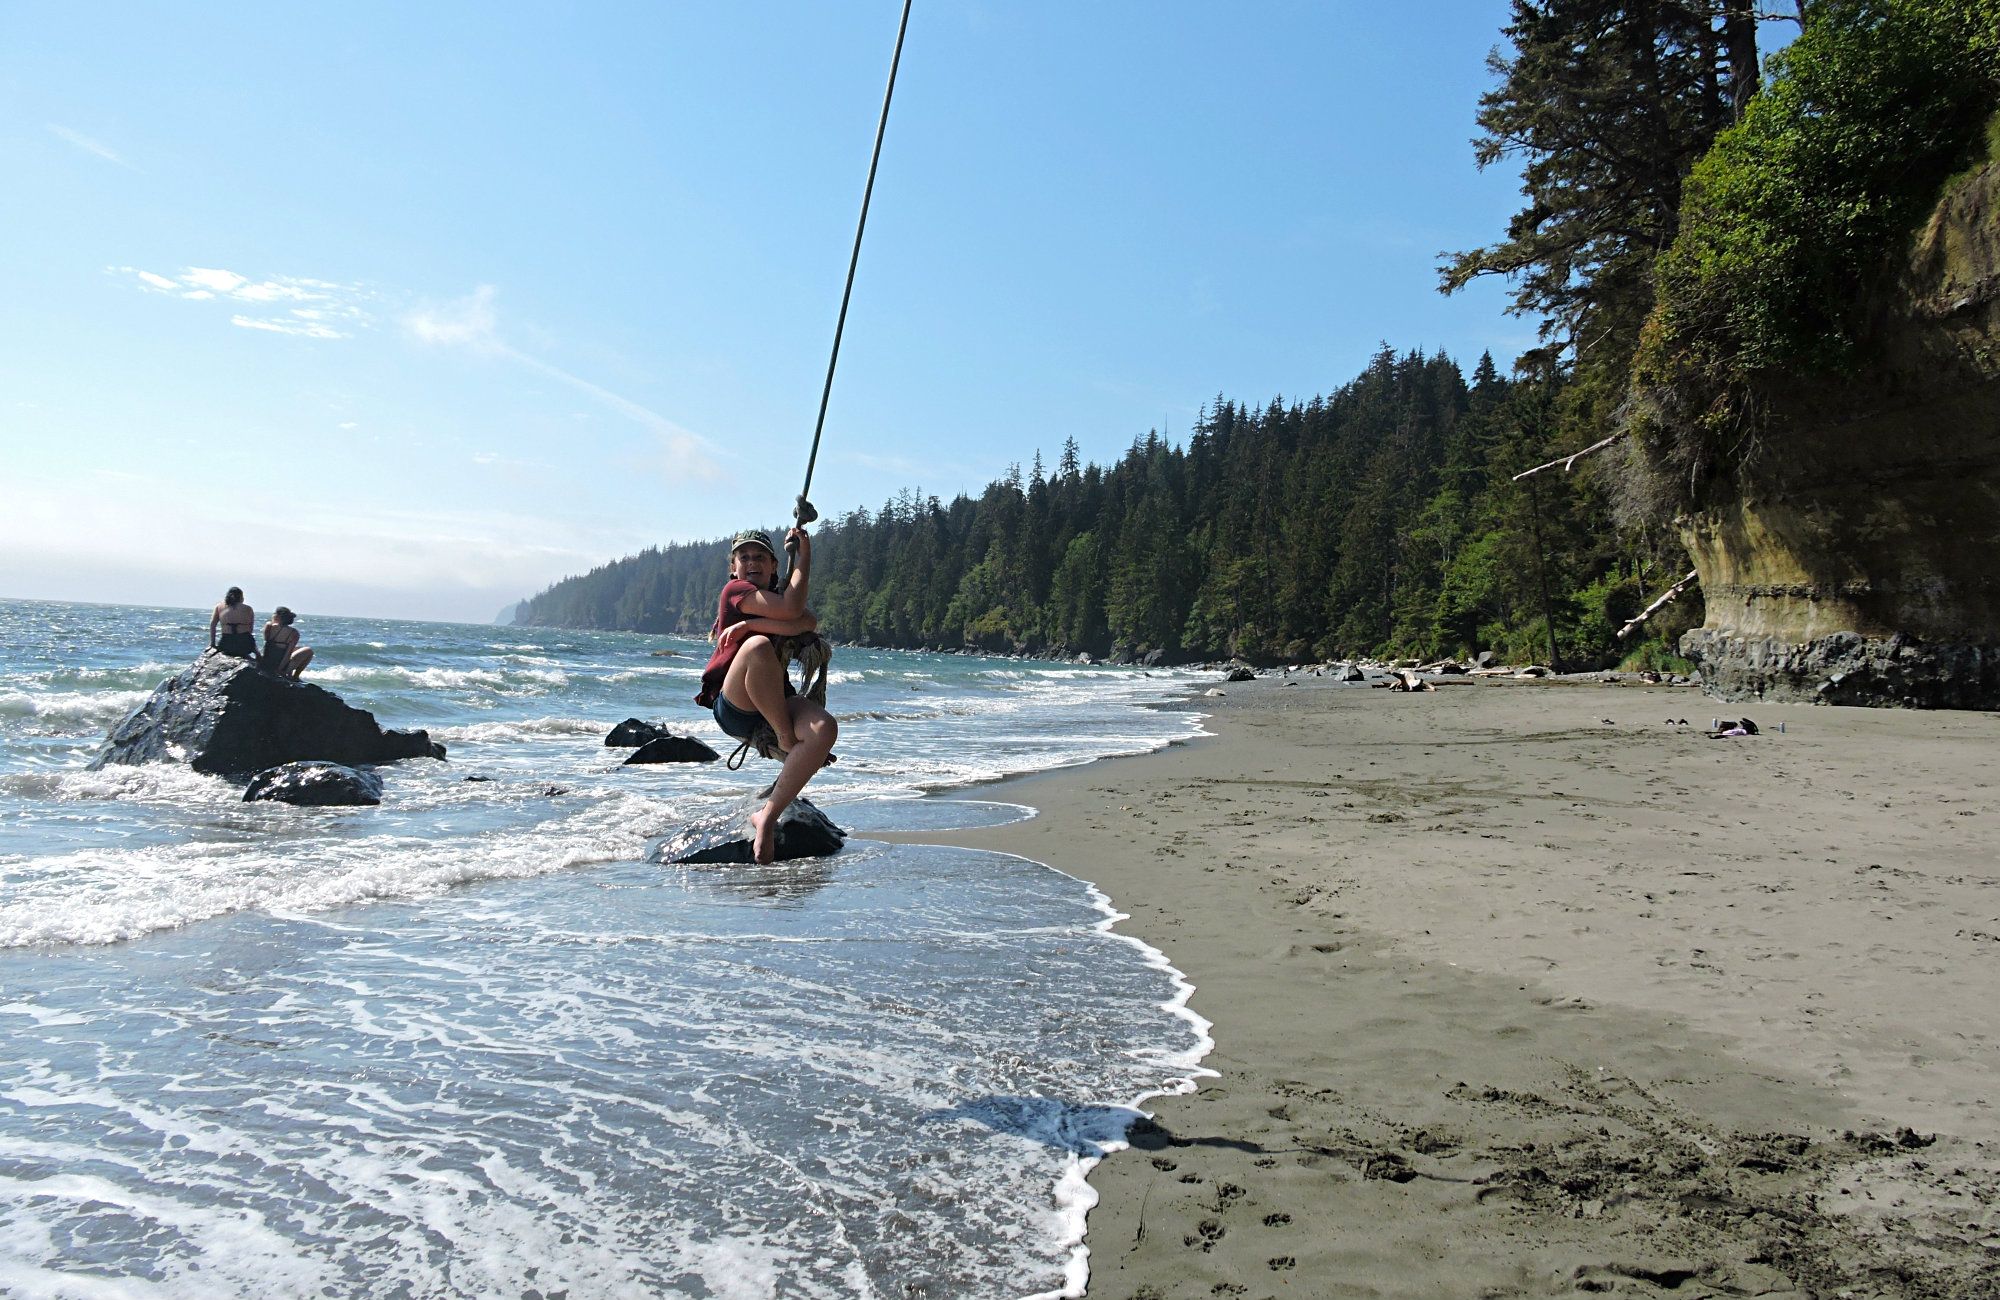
(753, 537)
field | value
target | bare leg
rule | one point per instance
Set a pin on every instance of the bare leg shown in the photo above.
(756, 675)
(295, 663)
(816, 731)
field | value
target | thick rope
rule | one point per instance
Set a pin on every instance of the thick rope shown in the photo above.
(803, 510)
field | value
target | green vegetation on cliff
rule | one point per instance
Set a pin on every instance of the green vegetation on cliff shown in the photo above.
(1794, 216)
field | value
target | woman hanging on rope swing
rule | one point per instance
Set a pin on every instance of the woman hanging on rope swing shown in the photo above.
(746, 681)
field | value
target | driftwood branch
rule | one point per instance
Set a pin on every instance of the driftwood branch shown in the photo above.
(1653, 608)
(1571, 459)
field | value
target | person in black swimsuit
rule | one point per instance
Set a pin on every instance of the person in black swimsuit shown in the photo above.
(283, 654)
(235, 619)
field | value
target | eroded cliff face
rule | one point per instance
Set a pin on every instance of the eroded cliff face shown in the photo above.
(1861, 564)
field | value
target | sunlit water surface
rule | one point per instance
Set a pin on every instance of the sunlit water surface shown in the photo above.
(471, 1043)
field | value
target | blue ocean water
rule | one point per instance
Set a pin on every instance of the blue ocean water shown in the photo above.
(471, 1043)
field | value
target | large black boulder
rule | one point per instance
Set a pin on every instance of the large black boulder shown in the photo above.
(803, 832)
(224, 715)
(632, 733)
(672, 749)
(315, 785)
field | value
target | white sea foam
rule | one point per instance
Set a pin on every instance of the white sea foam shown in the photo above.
(96, 896)
(71, 706)
(527, 729)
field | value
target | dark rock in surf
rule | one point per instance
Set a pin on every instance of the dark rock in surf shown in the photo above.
(1240, 675)
(632, 733)
(224, 715)
(672, 749)
(315, 785)
(803, 832)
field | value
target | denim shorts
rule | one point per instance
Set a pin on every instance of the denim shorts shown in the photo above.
(734, 721)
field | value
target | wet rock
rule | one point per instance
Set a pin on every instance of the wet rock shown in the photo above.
(224, 715)
(315, 785)
(1349, 673)
(1847, 668)
(1240, 675)
(632, 733)
(672, 749)
(803, 832)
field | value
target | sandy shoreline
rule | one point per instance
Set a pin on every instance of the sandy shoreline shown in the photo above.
(1519, 990)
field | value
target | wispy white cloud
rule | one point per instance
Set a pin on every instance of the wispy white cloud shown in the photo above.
(94, 147)
(304, 329)
(472, 323)
(314, 309)
(911, 472)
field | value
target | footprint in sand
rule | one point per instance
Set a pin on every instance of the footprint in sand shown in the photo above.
(1276, 1220)
(1283, 1262)
(1205, 1235)
(1164, 1165)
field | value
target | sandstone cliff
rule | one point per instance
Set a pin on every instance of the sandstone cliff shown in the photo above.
(1861, 565)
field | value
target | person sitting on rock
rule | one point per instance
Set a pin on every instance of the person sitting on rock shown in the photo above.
(235, 619)
(283, 654)
(746, 682)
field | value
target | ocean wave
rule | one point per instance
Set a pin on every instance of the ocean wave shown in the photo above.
(71, 706)
(100, 896)
(150, 783)
(525, 729)
(688, 671)
(398, 677)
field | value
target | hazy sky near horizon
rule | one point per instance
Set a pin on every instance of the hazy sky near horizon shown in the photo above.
(408, 310)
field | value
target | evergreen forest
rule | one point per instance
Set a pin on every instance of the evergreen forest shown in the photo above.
(1380, 519)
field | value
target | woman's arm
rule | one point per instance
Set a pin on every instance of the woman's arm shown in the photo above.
(771, 626)
(214, 617)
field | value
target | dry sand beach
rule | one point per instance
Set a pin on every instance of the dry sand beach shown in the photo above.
(1520, 989)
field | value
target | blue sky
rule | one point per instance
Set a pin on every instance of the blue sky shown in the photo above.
(407, 310)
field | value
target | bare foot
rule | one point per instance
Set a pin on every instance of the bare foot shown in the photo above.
(764, 836)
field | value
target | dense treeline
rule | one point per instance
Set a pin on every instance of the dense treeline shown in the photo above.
(1378, 520)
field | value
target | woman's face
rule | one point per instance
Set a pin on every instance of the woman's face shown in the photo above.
(753, 564)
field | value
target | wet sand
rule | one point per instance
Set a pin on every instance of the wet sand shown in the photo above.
(1519, 989)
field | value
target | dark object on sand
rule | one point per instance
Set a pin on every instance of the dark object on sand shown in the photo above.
(803, 832)
(1732, 727)
(1349, 673)
(632, 733)
(1240, 675)
(224, 715)
(315, 785)
(673, 749)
